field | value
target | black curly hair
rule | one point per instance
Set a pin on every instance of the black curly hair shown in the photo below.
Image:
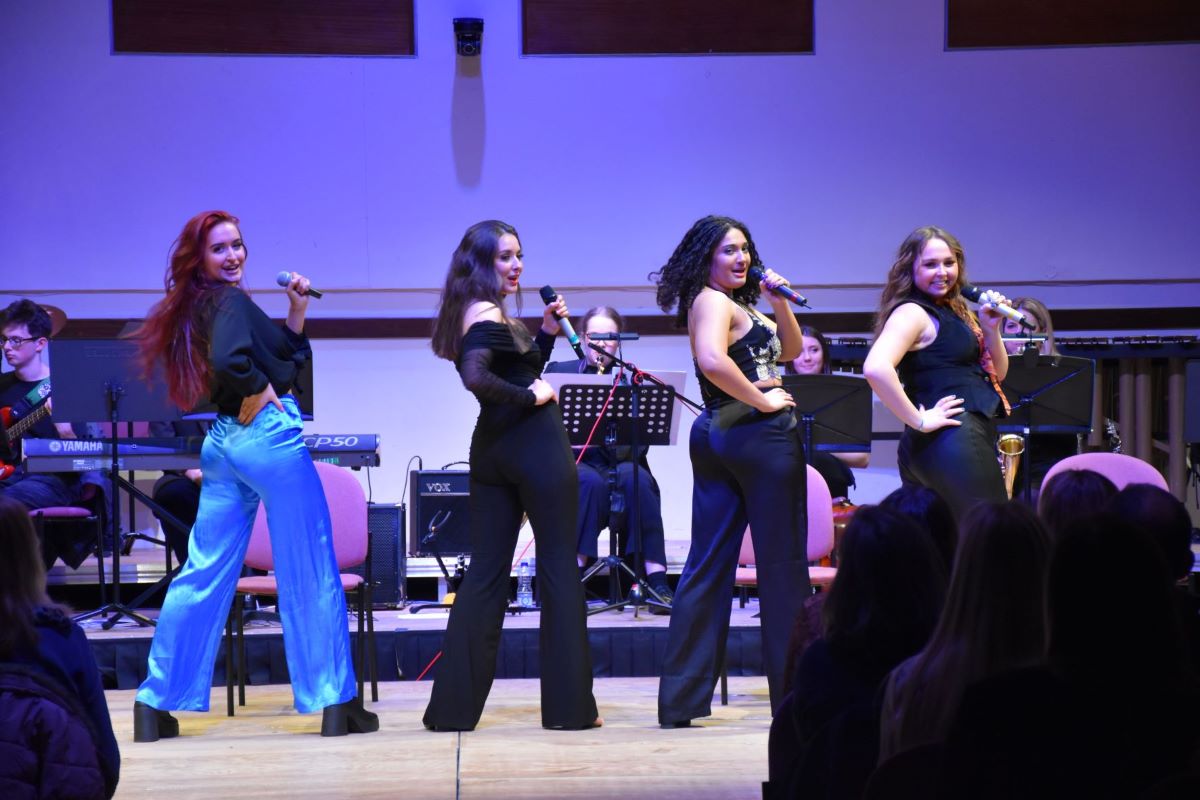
(686, 272)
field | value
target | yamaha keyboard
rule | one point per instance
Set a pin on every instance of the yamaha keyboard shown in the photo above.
(179, 452)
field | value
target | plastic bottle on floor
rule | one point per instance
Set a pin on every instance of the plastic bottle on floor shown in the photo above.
(525, 585)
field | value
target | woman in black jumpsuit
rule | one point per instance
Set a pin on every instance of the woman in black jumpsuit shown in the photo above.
(520, 463)
(747, 463)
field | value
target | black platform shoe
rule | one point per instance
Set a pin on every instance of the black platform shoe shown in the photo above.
(150, 724)
(348, 717)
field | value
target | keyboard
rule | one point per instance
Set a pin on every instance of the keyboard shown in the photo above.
(352, 450)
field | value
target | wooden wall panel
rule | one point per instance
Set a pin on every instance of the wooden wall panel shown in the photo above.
(279, 27)
(615, 27)
(1041, 23)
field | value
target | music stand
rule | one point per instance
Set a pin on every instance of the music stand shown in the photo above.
(99, 379)
(638, 414)
(1048, 394)
(834, 412)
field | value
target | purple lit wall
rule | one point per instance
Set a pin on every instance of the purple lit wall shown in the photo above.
(1069, 165)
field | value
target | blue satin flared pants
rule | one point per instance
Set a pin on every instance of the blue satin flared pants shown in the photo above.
(242, 464)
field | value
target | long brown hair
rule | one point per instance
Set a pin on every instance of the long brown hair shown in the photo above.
(22, 578)
(472, 277)
(900, 288)
(175, 333)
(993, 620)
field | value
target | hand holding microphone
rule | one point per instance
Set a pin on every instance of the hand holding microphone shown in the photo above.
(298, 283)
(994, 301)
(551, 298)
(777, 286)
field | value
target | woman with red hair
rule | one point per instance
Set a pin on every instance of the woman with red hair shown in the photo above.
(215, 342)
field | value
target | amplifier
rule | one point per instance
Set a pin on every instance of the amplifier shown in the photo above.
(440, 501)
(385, 529)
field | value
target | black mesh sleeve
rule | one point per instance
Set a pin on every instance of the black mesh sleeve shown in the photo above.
(545, 345)
(475, 369)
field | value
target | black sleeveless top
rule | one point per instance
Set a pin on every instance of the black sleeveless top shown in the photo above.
(756, 355)
(948, 366)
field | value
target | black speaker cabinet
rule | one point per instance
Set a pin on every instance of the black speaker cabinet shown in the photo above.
(439, 500)
(385, 528)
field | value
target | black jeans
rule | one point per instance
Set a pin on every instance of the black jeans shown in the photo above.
(958, 462)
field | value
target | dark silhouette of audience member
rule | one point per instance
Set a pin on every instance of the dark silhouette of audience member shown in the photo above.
(1166, 520)
(880, 610)
(55, 733)
(928, 509)
(923, 506)
(1112, 712)
(992, 622)
(1070, 495)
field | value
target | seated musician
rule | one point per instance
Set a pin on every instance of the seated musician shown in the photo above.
(594, 500)
(834, 467)
(25, 329)
(1048, 448)
(178, 491)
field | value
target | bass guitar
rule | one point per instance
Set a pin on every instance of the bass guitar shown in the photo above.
(15, 430)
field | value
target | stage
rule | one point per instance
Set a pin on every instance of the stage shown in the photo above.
(624, 645)
(269, 750)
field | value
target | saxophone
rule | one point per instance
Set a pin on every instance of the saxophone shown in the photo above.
(1011, 446)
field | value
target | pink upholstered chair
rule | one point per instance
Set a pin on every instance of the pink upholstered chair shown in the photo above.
(1122, 470)
(348, 514)
(820, 545)
(820, 540)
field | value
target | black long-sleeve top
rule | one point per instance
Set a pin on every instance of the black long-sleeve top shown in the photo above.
(247, 350)
(497, 368)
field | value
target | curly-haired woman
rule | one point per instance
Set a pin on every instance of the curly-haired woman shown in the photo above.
(747, 462)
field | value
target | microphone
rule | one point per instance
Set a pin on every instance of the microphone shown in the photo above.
(285, 277)
(548, 294)
(612, 337)
(973, 293)
(781, 291)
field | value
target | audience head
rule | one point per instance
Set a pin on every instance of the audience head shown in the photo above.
(1110, 611)
(814, 354)
(601, 319)
(1039, 316)
(1163, 517)
(1071, 494)
(997, 590)
(889, 589)
(927, 508)
(22, 577)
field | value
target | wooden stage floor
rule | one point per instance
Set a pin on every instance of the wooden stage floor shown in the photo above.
(270, 751)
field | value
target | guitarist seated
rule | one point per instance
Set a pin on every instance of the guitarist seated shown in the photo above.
(25, 406)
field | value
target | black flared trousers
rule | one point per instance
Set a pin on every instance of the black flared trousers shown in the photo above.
(748, 468)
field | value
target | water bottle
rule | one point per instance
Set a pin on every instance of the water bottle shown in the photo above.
(525, 585)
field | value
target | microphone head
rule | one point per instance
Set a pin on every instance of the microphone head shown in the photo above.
(757, 273)
(971, 292)
(283, 278)
(548, 294)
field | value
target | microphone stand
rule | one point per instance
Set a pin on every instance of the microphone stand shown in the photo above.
(637, 379)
